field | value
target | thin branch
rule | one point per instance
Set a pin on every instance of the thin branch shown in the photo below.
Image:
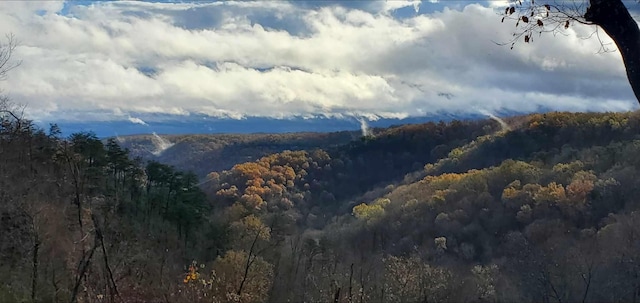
(249, 262)
(534, 17)
(112, 282)
(603, 46)
(83, 269)
(6, 53)
(10, 113)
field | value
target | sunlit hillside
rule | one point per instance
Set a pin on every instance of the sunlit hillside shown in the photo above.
(466, 209)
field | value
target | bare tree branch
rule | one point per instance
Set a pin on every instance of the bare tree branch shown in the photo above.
(533, 17)
(612, 16)
(9, 110)
(6, 107)
(6, 53)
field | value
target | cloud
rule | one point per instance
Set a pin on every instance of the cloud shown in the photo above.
(282, 59)
(394, 5)
(137, 121)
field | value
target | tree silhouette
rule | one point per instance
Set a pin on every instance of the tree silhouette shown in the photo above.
(612, 16)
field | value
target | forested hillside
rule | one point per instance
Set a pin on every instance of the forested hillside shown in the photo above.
(81, 221)
(543, 209)
(202, 154)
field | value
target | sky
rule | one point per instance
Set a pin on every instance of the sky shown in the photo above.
(147, 63)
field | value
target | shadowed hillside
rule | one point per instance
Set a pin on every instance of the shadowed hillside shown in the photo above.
(205, 153)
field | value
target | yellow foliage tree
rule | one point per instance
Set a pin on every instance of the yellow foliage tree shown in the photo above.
(240, 277)
(370, 214)
(248, 228)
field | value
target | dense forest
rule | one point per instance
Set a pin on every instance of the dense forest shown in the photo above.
(543, 208)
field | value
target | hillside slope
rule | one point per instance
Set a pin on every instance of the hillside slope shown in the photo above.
(544, 211)
(202, 154)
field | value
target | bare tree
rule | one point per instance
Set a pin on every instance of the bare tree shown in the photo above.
(544, 16)
(8, 109)
(7, 50)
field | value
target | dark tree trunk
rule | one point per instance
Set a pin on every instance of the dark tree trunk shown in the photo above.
(616, 21)
(34, 274)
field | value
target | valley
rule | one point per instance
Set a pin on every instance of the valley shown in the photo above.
(455, 209)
